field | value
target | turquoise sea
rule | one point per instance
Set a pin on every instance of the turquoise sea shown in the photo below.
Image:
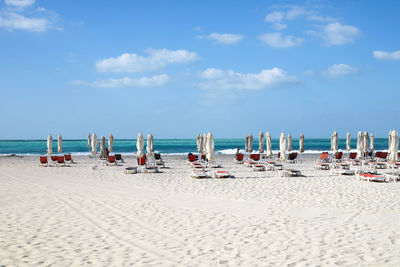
(168, 146)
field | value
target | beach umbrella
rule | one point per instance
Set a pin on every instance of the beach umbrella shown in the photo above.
(261, 142)
(282, 146)
(372, 142)
(110, 143)
(200, 144)
(390, 142)
(204, 144)
(348, 142)
(246, 143)
(150, 146)
(139, 145)
(210, 147)
(269, 144)
(250, 145)
(394, 146)
(89, 141)
(102, 147)
(360, 144)
(301, 143)
(59, 143)
(94, 145)
(289, 142)
(365, 142)
(334, 143)
(49, 144)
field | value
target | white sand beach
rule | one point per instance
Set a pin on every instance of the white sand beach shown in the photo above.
(76, 216)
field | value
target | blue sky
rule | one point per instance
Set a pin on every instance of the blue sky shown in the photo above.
(177, 68)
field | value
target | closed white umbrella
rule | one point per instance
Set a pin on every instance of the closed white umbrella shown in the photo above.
(59, 143)
(199, 144)
(301, 143)
(110, 143)
(366, 142)
(394, 146)
(360, 143)
(246, 143)
(289, 142)
(269, 144)
(204, 144)
(102, 147)
(348, 142)
(89, 141)
(261, 142)
(210, 147)
(334, 143)
(150, 146)
(139, 146)
(282, 146)
(250, 145)
(372, 142)
(94, 145)
(49, 144)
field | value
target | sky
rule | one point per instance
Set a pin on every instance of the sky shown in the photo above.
(178, 68)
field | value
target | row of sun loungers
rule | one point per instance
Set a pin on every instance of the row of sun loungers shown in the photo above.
(206, 169)
(56, 160)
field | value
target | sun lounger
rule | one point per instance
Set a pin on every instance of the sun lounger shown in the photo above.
(111, 161)
(353, 159)
(289, 173)
(273, 165)
(68, 158)
(198, 174)
(118, 157)
(43, 161)
(221, 174)
(130, 170)
(392, 165)
(377, 165)
(159, 161)
(255, 157)
(60, 161)
(343, 166)
(258, 167)
(343, 171)
(191, 158)
(54, 159)
(292, 158)
(213, 164)
(238, 158)
(392, 176)
(338, 157)
(324, 157)
(249, 163)
(321, 166)
(381, 156)
(146, 166)
(371, 177)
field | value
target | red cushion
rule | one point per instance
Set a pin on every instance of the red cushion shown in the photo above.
(43, 160)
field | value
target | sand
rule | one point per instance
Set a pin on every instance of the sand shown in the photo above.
(77, 216)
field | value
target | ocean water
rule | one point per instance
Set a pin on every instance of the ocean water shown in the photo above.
(168, 146)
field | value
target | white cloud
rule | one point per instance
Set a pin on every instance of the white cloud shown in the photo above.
(275, 16)
(279, 26)
(217, 79)
(225, 38)
(320, 18)
(19, 22)
(308, 72)
(156, 59)
(154, 81)
(339, 70)
(338, 34)
(280, 41)
(157, 80)
(19, 3)
(382, 55)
